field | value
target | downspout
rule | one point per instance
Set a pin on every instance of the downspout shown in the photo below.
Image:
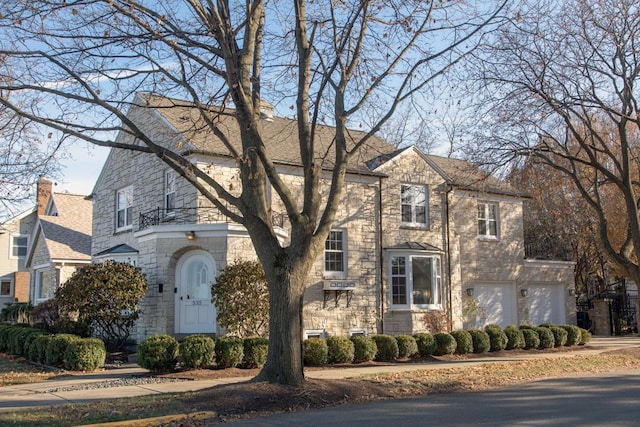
(448, 252)
(380, 253)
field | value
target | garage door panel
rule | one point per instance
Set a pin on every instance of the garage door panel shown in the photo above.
(546, 304)
(496, 305)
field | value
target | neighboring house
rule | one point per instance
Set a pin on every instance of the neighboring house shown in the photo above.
(60, 243)
(420, 242)
(15, 237)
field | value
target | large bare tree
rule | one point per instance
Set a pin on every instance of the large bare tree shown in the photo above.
(559, 85)
(327, 60)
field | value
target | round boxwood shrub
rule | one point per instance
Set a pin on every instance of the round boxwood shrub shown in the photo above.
(387, 347)
(559, 336)
(38, 348)
(426, 343)
(340, 350)
(407, 346)
(464, 342)
(573, 335)
(196, 352)
(515, 337)
(255, 351)
(86, 354)
(229, 352)
(480, 339)
(56, 347)
(497, 338)
(315, 352)
(364, 348)
(531, 338)
(158, 353)
(445, 344)
(585, 336)
(546, 337)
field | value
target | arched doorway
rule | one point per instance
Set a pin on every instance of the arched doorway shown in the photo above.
(194, 311)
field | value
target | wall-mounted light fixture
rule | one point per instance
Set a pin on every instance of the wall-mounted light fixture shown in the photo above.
(469, 292)
(191, 235)
(572, 292)
(524, 292)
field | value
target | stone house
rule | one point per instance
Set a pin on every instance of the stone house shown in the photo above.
(420, 242)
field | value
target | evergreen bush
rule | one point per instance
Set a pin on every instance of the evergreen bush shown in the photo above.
(445, 343)
(196, 352)
(315, 352)
(387, 347)
(481, 341)
(515, 337)
(255, 352)
(56, 347)
(364, 348)
(426, 343)
(158, 353)
(340, 350)
(585, 336)
(229, 352)
(559, 336)
(85, 354)
(531, 338)
(38, 348)
(546, 337)
(464, 342)
(497, 338)
(573, 335)
(407, 346)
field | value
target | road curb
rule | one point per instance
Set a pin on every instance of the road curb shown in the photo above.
(144, 422)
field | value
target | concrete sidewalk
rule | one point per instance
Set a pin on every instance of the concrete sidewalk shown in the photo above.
(46, 394)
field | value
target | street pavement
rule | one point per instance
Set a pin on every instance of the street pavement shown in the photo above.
(49, 393)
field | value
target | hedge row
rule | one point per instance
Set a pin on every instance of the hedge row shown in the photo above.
(358, 349)
(164, 353)
(60, 350)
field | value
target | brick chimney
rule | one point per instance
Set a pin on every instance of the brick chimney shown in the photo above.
(44, 192)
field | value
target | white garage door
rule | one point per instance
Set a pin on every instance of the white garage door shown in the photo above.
(496, 305)
(546, 304)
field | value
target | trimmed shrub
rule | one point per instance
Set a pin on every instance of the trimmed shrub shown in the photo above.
(4, 333)
(585, 336)
(531, 338)
(54, 355)
(426, 343)
(17, 338)
(229, 352)
(158, 353)
(387, 347)
(497, 338)
(85, 354)
(546, 337)
(255, 352)
(340, 350)
(515, 338)
(196, 351)
(364, 348)
(445, 344)
(315, 352)
(407, 346)
(38, 348)
(573, 335)
(464, 342)
(559, 336)
(481, 341)
(29, 339)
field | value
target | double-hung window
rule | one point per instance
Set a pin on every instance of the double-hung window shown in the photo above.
(19, 246)
(416, 281)
(335, 253)
(413, 203)
(170, 191)
(488, 220)
(5, 288)
(124, 206)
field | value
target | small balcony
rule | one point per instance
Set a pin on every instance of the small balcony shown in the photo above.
(548, 251)
(192, 215)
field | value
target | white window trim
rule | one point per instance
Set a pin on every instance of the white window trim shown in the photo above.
(487, 236)
(437, 259)
(118, 192)
(358, 332)
(345, 258)
(314, 333)
(38, 277)
(166, 190)
(414, 224)
(11, 290)
(11, 237)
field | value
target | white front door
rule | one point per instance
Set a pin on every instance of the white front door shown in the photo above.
(195, 313)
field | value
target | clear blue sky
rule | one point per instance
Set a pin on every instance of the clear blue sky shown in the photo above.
(81, 170)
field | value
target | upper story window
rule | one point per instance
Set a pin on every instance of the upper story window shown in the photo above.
(124, 205)
(170, 190)
(416, 281)
(488, 220)
(19, 246)
(335, 255)
(413, 200)
(5, 288)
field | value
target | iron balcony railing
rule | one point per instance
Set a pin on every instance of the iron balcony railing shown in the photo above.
(192, 215)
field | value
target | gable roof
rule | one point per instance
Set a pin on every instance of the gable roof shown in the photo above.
(280, 135)
(67, 235)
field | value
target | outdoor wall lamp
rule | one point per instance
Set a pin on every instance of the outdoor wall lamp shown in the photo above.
(524, 292)
(191, 235)
(572, 292)
(469, 292)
